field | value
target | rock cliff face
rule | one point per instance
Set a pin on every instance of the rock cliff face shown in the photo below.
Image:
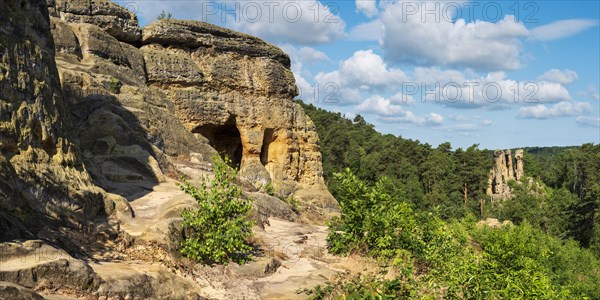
(42, 179)
(140, 97)
(503, 171)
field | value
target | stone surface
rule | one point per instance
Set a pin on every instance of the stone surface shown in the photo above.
(36, 264)
(43, 179)
(13, 291)
(192, 87)
(112, 18)
(519, 173)
(203, 36)
(236, 91)
(504, 171)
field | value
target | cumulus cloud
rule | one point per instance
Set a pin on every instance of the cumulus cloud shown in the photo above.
(379, 105)
(305, 22)
(305, 55)
(588, 121)
(479, 45)
(559, 76)
(365, 71)
(561, 109)
(470, 90)
(420, 32)
(560, 29)
(390, 111)
(367, 7)
(365, 74)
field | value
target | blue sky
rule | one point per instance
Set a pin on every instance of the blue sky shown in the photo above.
(502, 74)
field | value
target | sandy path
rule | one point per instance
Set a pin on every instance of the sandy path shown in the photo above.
(301, 249)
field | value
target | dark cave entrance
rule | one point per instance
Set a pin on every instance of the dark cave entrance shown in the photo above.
(225, 139)
(264, 151)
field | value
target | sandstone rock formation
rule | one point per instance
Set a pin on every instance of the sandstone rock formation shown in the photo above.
(43, 182)
(503, 171)
(519, 164)
(190, 89)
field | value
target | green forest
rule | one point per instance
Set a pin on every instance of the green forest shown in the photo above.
(416, 207)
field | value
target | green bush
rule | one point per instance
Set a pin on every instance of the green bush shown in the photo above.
(371, 220)
(217, 230)
(451, 260)
(164, 15)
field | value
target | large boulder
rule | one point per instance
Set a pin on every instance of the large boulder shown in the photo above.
(236, 91)
(112, 18)
(201, 35)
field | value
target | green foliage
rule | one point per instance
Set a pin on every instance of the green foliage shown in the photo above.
(371, 220)
(452, 260)
(269, 189)
(164, 15)
(217, 230)
(452, 184)
(368, 286)
(115, 85)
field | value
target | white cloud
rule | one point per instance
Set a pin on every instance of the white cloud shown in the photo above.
(457, 118)
(486, 123)
(478, 45)
(367, 7)
(444, 38)
(431, 119)
(370, 31)
(591, 92)
(365, 71)
(468, 89)
(379, 105)
(304, 22)
(561, 109)
(301, 57)
(306, 55)
(560, 29)
(389, 111)
(365, 74)
(563, 77)
(588, 121)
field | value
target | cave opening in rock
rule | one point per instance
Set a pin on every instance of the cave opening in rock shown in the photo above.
(225, 138)
(264, 151)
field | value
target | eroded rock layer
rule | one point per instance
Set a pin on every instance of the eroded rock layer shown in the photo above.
(504, 171)
(182, 89)
(42, 179)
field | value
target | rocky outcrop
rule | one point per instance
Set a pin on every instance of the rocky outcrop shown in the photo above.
(236, 91)
(519, 172)
(503, 171)
(12, 291)
(184, 89)
(43, 182)
(35, 264)
(112, 18)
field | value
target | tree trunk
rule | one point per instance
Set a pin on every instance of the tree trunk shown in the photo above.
(481, 208)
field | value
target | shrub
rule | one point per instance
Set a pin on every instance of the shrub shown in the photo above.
(371, 219)
(217, 230)
(164, 15)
